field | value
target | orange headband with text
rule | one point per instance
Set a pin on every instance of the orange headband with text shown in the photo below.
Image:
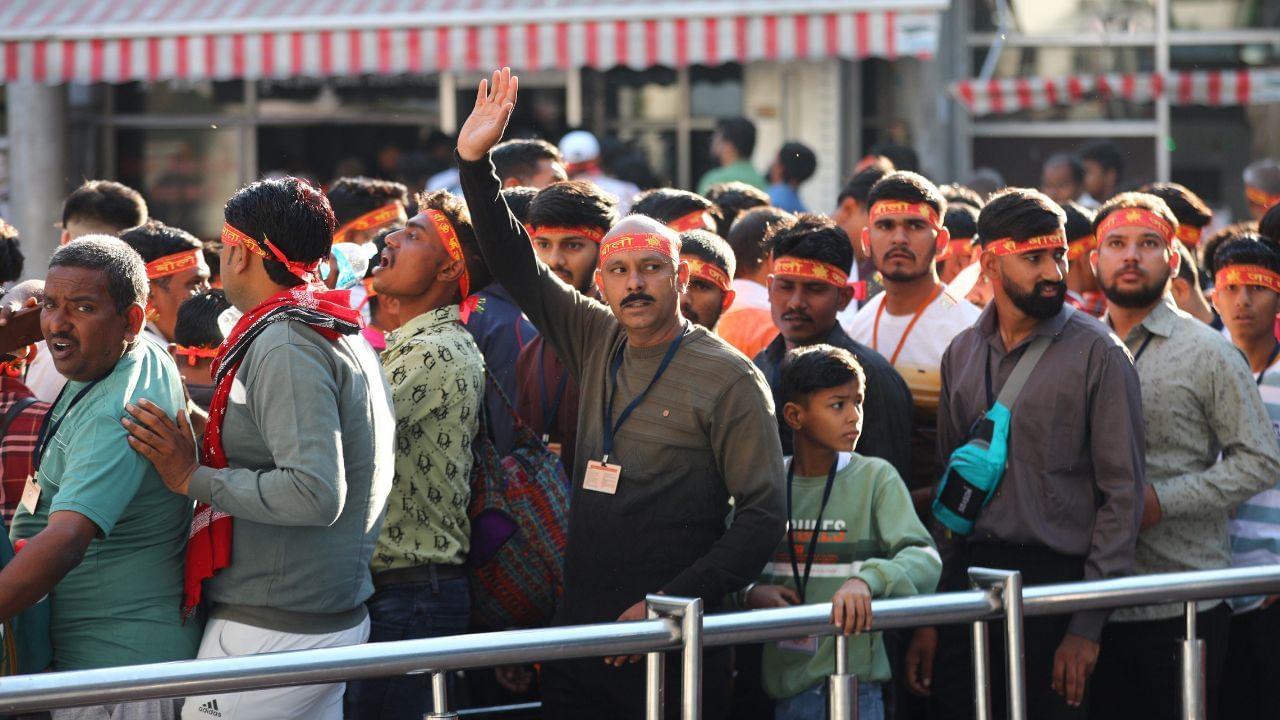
(173, 264)
(194, 354)
(953, 246)
(695, 220)
(373, 220)
(810, 270)
(595, 235)
(452, 245)
(1258, 197)
(631, 242)
(1247, 275)
(712, 273)
(1009, 246)
(1136, 217)
(304, 271)
(1189, 234)
(899, 207)
(1079, 247)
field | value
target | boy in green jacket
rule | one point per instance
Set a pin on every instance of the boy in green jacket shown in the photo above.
(853, 536)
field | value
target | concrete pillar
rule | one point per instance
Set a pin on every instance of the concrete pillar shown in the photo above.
(37, 164)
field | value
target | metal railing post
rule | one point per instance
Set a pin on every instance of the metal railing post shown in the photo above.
(689, 612)
(655, 670)
(1009, 585)
(981, 672)
(439, 699)
(843, 687)
(1193, 705)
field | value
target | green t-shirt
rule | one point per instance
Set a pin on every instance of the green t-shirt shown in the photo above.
(740, 171)
(122, 604)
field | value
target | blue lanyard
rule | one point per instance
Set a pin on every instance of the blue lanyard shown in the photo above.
(549, 413)
(47, 434)
(611, 428)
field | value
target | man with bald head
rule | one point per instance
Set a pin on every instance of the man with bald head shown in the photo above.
(673, 423)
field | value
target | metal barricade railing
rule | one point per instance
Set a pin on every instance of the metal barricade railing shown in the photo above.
(675, 624)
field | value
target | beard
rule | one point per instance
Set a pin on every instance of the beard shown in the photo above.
(1035, 304)
(1144, 296)
(907, 274)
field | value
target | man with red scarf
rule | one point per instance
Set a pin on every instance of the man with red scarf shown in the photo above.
(296, 464)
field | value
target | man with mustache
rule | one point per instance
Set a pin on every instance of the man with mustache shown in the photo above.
(711, 266)
(1209, 447)
(566, 222)
(673, 423)
(1068, 504)
(808, 287)
(913, 320)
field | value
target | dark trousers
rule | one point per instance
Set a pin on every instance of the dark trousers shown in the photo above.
(406, 612)
(589, 690)
(1251, 680)
(953, 690)
(1139, 670)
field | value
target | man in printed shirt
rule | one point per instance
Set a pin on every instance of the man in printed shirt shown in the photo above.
(1209, 447)
(436, 374)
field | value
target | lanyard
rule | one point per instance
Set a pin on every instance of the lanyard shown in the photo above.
(46, 433)
(611, 428)
(1274, 352)
(802, 583)
(549, 413)
(875, 329)
(1143, 347)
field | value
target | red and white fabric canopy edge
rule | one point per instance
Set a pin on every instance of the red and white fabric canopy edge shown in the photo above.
(1185, 87)
(279, 39)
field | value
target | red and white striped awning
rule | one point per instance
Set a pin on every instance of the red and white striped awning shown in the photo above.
(1199, 87)
(55, 41)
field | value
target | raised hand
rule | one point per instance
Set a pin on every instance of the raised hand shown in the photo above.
(483, 129)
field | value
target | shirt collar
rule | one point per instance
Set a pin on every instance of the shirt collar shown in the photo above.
(1160, 321)
(778, 347)
(988, 325)
(751, 295)
(426, 322)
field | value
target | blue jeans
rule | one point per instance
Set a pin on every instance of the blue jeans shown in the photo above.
(408, 612)
(812, 704)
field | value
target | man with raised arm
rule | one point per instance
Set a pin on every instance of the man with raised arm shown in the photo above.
(673, 423)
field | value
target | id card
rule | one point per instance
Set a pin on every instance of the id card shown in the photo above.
(31, 494)
(806, 646)
(602, 478)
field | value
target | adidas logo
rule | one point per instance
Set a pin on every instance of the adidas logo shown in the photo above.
(210, 708)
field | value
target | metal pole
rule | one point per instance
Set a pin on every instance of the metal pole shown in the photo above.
(1164, 132)
(1013, 638)
(842, 697)
(981, 673)
(691, 692)
(440, 699)
(1193, 705)
(655, 670)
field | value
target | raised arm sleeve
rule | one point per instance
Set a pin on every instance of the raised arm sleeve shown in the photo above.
(910, 564)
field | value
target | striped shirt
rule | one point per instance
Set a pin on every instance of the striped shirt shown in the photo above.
(1255, 529)
(16, 445)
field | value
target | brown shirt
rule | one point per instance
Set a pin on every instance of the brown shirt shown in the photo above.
(1073, 481)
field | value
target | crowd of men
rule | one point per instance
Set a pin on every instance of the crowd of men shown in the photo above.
(270, 442)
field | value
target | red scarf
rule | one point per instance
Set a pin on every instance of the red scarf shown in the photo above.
(329, 313)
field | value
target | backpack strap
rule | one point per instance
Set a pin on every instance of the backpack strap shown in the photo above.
(1030, 358)
(14, 411)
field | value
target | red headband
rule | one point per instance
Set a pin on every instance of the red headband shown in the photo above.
(953, 246)
(1136, 217)
(810, 270)
(1247, 275)
(898, 207)
(631, 242)
(1077, 248)
(173, 264)
(192, 354)
(375, 219)
(1189, 234)
(712, 273)
(452, 245)
(595, 235)
(305, 271)
(695, 220)
(1009, 246)
(1258, 197)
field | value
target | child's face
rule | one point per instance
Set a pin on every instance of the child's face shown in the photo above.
(832, 417)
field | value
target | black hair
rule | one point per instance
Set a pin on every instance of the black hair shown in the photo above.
(813, 237)
(1072, 162)
(903, 157)
(806, 370)
(212, 251)
(859, 185)
(1209, 246)
(519, 158)
(1018, 213)
(11, 258)
(733, 198)
(126, 273)
(907, 187)
(1135, 200)
(1107, 154)
(197, 323)
(574, 203)
(460, 218)
(740, 133)
(518, 199)
(749, 235)
(289, 211)
(668, 204)
(106, 203)
(710, 247)
(961, 221)
(1189, 269)
(1187, 207)
(351, 197)
(1269, 225)
(154, 240)
(1249, 249)
(798, 162)
(957, 194)
(1079, 220)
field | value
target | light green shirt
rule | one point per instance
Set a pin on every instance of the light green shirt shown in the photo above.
(122, 604)
(741, 171)
(436, 374)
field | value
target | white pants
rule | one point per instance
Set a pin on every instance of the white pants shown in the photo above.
(224, 638)
(141, 710)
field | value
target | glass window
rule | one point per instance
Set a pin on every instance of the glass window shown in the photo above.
(198, 97)
(715, 92)
(1037, 17)
(1223, 57)
(1224, 14)
(323, 152)
(1019, 160)
(303, 96)
(185, 175)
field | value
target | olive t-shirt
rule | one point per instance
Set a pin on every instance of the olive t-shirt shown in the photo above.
(122, 604)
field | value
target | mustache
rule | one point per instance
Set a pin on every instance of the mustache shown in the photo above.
(636, 297)
(900, 251)
(802, 317)
(1042, 285)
